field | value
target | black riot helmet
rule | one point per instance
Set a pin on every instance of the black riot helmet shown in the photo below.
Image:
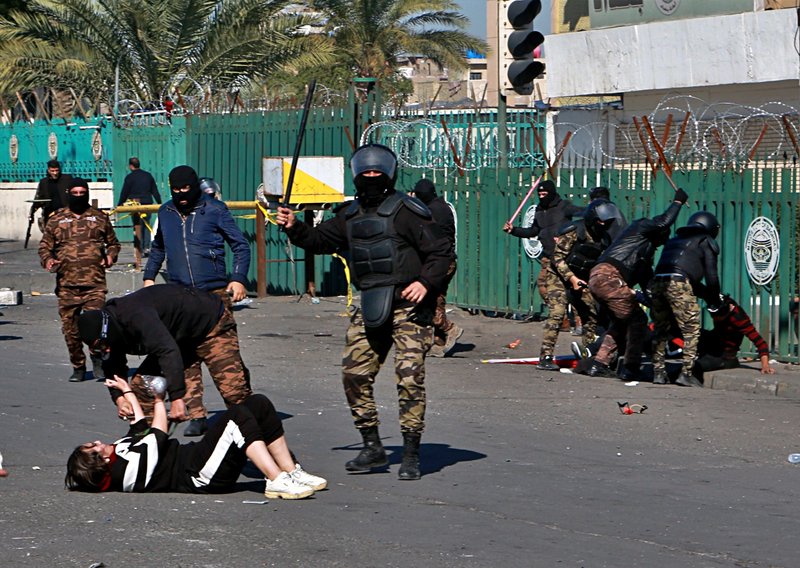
(704, 221)
(599, 216)
(373, 158)
(210, 187)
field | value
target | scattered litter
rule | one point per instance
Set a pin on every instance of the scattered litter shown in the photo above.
(315, 300)
(794, 458)
(34, 293)
(36, 468)
(632, 384)
(565, 371)
(514, 344)
(243, 302)
(249, 502)
(322, 334)
(97, 565)
(627, 408)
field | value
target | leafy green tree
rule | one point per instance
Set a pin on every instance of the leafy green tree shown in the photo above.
(370, 35)
(156, 47)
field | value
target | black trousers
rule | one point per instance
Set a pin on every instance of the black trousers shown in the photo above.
(216, 461)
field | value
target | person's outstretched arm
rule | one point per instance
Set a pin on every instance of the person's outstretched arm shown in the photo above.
(129, 396)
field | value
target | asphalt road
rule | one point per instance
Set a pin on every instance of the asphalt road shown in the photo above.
(521, 467)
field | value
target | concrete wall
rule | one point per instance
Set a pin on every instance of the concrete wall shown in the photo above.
(15, 205)
(741, 49)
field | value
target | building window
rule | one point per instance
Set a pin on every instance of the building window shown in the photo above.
(473, 76)
(624, 3)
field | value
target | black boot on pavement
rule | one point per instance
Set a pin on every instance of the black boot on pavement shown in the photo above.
(660, 377)
(196, 427)
(372, 455)
(688, 380)
(409, 469)
(78, 375)
(599, 369)
(546, 363)
(97, 369)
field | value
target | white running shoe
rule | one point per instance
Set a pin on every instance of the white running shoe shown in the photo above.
(302, 477)
(285, 487)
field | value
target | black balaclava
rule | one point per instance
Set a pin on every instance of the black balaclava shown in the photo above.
(90, 328)
(548, 186)
(425, 191)
(78, 204)
(182, 176)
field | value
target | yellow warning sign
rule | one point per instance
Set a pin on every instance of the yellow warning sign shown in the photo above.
(317, 180)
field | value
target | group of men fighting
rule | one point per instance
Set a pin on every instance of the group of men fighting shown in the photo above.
(595, 264)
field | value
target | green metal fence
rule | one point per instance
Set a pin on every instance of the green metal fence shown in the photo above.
(462, 158)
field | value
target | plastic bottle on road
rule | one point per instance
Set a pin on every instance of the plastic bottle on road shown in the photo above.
(794, 458)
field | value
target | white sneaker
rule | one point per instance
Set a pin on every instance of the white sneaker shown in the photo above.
(302, 477)
(285, 487)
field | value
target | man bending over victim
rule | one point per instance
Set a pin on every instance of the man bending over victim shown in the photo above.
(146, 460)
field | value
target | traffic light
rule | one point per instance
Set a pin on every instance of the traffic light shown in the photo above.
(517, 40)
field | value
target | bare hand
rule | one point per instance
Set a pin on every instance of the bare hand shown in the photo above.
(52, 264)
(107, 261)
(147, 283)
(767, 370)
(414, 292)
(118, 383)
(508, 227)
(177, 411)
(124, 408)
(285, 217)
(577, 283)
(237, 291)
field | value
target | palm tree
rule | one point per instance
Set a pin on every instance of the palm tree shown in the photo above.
(155, 47)
(369, 35)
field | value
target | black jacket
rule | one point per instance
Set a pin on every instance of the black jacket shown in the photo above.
(56, 190)
(424, 235)
(633, 250)
(141, 186)
(693, 254)
(443, 216)
(548, 222)
(161, 321)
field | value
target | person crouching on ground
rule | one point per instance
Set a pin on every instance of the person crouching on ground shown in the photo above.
(146, 460)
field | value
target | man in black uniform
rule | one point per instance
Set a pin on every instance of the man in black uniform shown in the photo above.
(445, 332)
(623, 265)
(552, 214)
(399, 258)
(55, 188)
(173, 326)
(139, 186)
(687, 259)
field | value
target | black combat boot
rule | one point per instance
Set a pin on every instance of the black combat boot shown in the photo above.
(599, 369)
(546, 363)
(97, 369)
(409, 469)
(372, 455)
(78, 375)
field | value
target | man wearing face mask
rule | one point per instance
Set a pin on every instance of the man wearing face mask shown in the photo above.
(192, 231)
(54, 187)
(79, 244)
(400, 258)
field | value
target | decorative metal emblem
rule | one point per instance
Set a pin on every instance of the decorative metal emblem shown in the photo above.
(532, 246)
(667, 7)
(762, 248)
(52, 145)
(13, 148)
(97, 145)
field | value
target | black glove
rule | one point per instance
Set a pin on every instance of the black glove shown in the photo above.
(681, 196)
(643, 298)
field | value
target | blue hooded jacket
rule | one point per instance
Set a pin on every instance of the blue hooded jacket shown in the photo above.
(195, 247)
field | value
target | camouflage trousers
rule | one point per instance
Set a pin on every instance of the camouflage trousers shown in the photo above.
(72, 300)
(628, 326)
(674, 302)
(193, 376)
(557, 297)
(220, 352)
(411, 332)
(441, 325)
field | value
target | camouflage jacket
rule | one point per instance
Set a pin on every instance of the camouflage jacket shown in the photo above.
(79, 243)
(569, 241)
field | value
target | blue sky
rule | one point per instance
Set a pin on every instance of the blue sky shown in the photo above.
(475, 10)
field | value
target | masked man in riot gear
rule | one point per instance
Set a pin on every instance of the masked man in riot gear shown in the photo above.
(687, 258)
(399, 258)
(628, 261)
(578, 247)
(78, 244)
